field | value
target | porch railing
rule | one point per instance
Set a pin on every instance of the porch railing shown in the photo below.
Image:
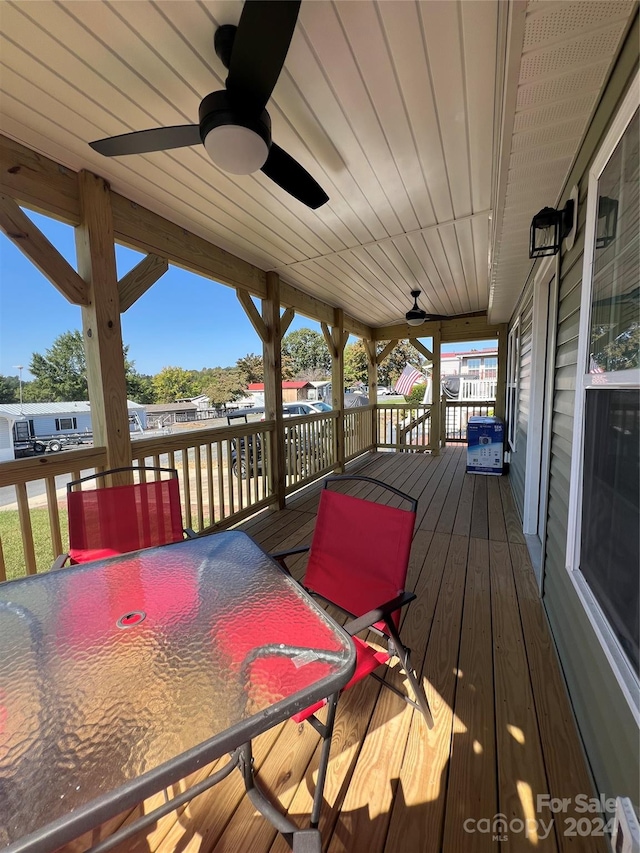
(405, 428)
(456, 417)
(223, 471)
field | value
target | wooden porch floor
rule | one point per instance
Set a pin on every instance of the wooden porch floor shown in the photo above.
(504, 731)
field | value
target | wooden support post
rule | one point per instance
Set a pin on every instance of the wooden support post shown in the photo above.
(101, 323)
(272, 358)
(436, 392)
(339, 338)
(372, 378)
(501, 385)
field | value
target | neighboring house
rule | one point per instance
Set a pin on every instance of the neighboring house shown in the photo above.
(28, 421)
(201, 402)
(322, 391)
(476, 364)
(573, 430)
(165, 414)
(291, 391)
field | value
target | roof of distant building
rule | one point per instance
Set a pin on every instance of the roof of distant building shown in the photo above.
(171, 407)
(71, 408)
(471, 353)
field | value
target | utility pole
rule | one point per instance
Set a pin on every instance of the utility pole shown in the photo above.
(20, 368)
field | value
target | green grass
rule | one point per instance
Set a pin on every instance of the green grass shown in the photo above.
(12, 540)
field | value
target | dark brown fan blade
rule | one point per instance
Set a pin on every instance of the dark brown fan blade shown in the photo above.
(144, 141)
(292, 177)
(260, 47)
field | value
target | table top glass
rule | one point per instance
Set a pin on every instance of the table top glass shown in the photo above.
(121, 676)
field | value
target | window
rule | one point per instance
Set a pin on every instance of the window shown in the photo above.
(66, 423)
(513, 365)
(490, 367)
(604, 548)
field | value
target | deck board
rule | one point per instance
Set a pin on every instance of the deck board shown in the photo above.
(504, 730)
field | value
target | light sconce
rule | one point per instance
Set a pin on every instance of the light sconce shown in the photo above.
(607, 221)
(415, 316)
(549, 227)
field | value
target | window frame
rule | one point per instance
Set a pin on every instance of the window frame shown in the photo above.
(588, 383)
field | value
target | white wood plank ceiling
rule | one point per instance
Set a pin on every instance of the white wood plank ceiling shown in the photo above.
(396, 108)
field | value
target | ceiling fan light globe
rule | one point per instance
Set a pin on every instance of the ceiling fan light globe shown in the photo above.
(415, 318)
(236, 149)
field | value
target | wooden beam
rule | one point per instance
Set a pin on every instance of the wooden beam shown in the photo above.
(285, 320)
(101, 323)
(38, 183)
(472, 327)
(138, 280)
(385, 352)
(50, 188)
(272, 358)
(24, 234)
(262, 330)
(46, 186)
(416, 344)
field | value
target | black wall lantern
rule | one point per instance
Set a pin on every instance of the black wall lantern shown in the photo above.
(548, 229)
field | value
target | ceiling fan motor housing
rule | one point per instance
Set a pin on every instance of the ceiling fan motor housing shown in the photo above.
(236, 140)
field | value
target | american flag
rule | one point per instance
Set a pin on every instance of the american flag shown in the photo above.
(407, 379)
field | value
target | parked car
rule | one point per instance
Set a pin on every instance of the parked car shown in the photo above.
(303, 407)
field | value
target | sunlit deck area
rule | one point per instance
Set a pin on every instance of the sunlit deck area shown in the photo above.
(504, 730)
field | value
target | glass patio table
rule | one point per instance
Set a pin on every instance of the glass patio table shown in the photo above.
(122, 676)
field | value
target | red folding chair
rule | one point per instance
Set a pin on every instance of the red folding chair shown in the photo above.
(120, 519)
(358, 561)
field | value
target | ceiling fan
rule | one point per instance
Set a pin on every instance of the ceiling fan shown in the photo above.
(416, 316)
(234, 126)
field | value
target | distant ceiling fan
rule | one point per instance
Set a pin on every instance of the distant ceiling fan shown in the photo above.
(417, 316)
(234, 126)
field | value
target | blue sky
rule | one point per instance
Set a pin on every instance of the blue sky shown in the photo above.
(183, 320)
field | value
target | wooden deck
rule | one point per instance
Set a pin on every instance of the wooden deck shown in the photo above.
(504, 731)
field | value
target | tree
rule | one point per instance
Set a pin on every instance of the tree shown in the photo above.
(175, 383)
(355, 362)
(225, 384)
(140, 388)
(61, 373)
(9, 389)
(308, 354)
(251, 366)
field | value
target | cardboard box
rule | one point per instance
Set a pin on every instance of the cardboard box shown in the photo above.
(485, 445)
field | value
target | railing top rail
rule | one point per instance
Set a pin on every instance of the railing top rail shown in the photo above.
(195, 437)
(51, 465)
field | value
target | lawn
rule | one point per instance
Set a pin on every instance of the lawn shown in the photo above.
(12, 541)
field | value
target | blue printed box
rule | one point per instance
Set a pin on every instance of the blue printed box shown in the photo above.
(485, 445)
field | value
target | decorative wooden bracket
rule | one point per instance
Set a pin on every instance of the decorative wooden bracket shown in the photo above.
(328, 337)
(24, 234)
(385, 352)
(253, 314)
(285, 321)
(138, 280)
(416, 344)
